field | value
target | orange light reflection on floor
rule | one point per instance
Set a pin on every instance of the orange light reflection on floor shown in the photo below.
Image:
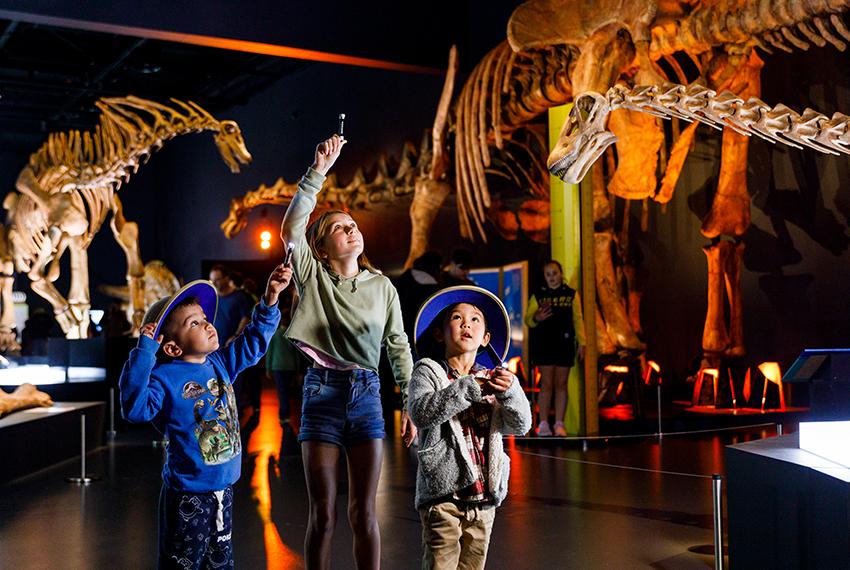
(264, 447)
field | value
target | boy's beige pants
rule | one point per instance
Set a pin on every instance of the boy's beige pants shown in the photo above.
(456, 537)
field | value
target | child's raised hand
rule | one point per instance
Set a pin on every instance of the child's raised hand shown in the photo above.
(147, 331)
(278, 281)
(501, 380)
(326, 154)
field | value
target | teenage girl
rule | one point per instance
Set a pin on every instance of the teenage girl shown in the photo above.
(346, 312)
(557, 329)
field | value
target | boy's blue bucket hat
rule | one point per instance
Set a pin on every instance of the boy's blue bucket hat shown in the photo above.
(498, 323)
(202, 289)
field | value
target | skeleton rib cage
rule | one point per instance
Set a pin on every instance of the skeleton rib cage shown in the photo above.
(91, 166)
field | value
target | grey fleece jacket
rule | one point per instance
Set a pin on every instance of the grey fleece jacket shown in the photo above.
(346, 318)
(445, 465)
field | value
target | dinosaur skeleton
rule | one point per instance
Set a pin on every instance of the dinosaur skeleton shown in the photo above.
(504, 92)
(619, 40)
(598, 50)
(384, 186)
(69, 187)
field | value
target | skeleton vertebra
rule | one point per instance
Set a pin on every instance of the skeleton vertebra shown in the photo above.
(384, 186)
(69, 187)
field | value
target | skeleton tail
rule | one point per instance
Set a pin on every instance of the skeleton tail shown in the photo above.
(777, 124)
(781, 24)
(384, 185)
(504, 92)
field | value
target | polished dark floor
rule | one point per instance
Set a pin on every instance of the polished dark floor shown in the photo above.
(620, 503)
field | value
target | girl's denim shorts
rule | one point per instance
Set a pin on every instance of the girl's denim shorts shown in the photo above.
(342, 407)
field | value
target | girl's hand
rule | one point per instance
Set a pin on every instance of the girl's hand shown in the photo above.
(147, 331)
(408, 430)
(543, 313)
(326, 154)
(278, 281)
(501, 380)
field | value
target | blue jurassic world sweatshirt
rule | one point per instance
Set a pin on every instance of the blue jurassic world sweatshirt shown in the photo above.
(194, 405)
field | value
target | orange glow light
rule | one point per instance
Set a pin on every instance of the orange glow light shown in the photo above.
(651, 367)
(265, 244)
(513, 364)
(771, 371)
(263, 447)
(231, 44)
(265, 235)
(616, 369)
(710, 372)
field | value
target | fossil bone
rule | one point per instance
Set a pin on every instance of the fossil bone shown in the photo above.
(69, 186)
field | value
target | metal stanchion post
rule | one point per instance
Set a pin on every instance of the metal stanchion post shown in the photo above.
(658, 398)
(717, 510)
(82, 479)
(778, 429)
(111, 433)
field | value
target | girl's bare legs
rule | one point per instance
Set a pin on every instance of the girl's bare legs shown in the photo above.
(544, 399)
(320, 470)
(562, 374)
(364, 471)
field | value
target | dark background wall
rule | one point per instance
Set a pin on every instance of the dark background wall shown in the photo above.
(796, 262)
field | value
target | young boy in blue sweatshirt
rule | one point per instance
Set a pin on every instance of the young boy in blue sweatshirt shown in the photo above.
(462, 401)
(179, 379)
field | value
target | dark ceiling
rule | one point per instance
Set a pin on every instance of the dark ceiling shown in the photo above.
(57, 57)
(50, 77)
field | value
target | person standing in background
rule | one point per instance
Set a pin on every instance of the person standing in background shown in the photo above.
(557, 334)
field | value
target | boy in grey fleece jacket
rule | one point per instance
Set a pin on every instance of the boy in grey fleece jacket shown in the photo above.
(462, 401)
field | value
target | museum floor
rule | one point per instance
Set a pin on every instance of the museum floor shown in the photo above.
(621, 503)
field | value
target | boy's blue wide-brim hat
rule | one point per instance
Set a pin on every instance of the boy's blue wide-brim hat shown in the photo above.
(202, 289)
(498, 323)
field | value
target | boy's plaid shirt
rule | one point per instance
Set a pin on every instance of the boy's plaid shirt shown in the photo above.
(475, 423)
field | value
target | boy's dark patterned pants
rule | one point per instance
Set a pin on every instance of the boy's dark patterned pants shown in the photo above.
(195, 529)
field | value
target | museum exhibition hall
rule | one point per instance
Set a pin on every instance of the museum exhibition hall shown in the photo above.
(607, 292)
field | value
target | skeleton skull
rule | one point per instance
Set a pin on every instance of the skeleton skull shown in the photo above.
(583, 138)
(231, 145)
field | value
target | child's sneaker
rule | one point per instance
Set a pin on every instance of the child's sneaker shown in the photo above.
(560, 430)
(543, 430)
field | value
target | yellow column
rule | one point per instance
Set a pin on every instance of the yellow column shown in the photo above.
(565, 239)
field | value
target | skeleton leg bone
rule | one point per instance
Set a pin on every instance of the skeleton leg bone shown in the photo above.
(639, 138)
(8, 340)
(127, 235)
(613, 311)
(732, 271)
(428, 196)
(25, 396)
(715, 337)
(78, 295)
(44, 271)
